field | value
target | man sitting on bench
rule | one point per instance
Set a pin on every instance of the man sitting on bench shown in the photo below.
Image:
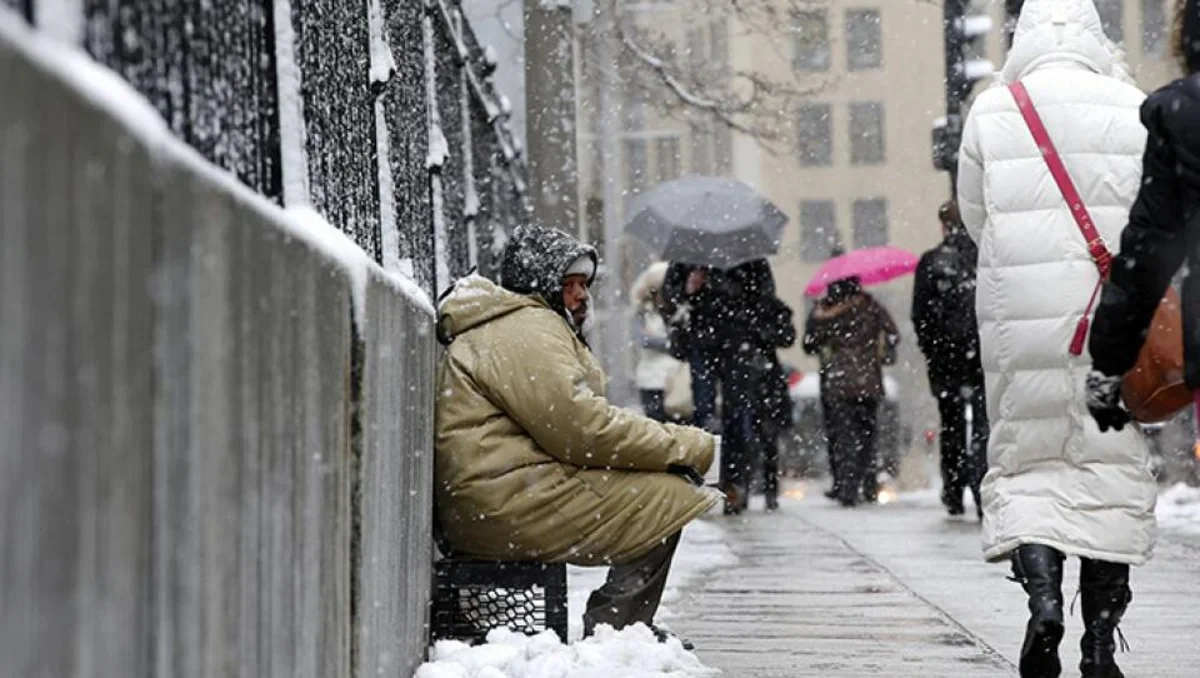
(532, 462)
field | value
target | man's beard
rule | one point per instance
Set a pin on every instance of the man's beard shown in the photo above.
(583, 319)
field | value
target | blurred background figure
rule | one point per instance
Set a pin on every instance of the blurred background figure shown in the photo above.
(943, 315)
(727, 324)
(655, 366)
(853, 336)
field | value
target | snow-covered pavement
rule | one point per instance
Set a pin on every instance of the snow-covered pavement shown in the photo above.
(816, 590)
(901, 590)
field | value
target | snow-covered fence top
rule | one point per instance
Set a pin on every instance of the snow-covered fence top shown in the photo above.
(325, 103)
(216, 414)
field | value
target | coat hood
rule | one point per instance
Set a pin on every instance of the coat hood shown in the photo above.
(1189, 35)
(1057, 31)
(536, 259)
(475, 301)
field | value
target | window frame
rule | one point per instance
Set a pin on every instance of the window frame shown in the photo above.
(874, 59)
(810, 61)
(863, 233)
(824, 113)
(859, 130)
(818, 242)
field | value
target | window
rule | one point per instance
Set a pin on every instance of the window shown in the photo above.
(719, 50)
(702, 163)
(666, 151)
(722, 152)
(866, 133)
(864, 39)
(696, 47)
(1154, 28)
(818, 230)
(870, 223)
(814, 134)
(1111, 18)
(810, 41)
(708, 45)
(633, 113)
(636, 165)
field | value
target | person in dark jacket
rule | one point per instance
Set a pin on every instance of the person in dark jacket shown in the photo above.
(943, 314)
(773, 328)
(722, 322)
(854, 336)
(1163, 231)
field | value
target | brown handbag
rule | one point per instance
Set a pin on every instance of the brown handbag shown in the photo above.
(1153, 390)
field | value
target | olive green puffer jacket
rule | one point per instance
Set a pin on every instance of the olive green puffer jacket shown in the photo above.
(531, 461)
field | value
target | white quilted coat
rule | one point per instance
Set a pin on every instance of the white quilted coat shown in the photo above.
(1053, 478)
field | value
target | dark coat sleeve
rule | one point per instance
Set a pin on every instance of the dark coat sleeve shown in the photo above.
(1153, 247)
(815, 334)
(924, 312)
(672, 289)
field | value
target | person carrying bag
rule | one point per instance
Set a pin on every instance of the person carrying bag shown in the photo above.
(1153, 390)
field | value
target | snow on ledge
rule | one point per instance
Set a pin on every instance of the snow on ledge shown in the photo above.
(109, 92)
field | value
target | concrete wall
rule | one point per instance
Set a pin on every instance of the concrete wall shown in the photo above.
(207, 466)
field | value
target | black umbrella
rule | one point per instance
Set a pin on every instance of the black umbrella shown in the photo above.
(709, 221)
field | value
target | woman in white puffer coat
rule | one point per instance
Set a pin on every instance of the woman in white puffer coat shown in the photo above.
(1056, 485)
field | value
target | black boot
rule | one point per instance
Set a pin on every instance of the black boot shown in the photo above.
(1039, 570)
(1104, 594)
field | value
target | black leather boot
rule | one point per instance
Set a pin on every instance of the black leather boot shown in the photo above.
(1039, 570)
(1104, 594)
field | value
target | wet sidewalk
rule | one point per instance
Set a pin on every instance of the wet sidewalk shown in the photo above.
(901, 590)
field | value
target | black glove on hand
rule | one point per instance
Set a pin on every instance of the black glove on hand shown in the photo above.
(1104, 401)
(689, 474)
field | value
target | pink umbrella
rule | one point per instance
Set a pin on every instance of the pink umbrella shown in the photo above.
(872, 266)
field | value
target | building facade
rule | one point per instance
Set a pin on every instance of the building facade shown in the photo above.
(858, 171)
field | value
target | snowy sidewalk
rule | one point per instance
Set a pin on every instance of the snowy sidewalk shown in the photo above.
(901, 590)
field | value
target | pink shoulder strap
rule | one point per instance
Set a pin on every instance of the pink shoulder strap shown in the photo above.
(1058, 170)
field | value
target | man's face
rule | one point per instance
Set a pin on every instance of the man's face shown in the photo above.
(575, 297)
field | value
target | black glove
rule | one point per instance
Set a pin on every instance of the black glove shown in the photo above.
(1104, 401)
(688, 473)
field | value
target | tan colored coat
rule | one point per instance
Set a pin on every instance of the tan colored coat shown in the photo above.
(531, 461)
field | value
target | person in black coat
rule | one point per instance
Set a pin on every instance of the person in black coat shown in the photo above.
(727, 323)
(1163, 233)
(943, 314)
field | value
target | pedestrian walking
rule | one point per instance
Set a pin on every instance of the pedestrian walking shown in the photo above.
(725, 321)
(1063, 114)
(771, 327)
(1159, 239)
(531, 461)
(854, 337)
(943, 314)
(655, 365)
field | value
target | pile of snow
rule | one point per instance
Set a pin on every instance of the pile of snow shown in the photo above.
(1179, 509)
(632, 652)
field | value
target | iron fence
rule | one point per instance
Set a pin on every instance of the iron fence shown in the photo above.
(213, 70)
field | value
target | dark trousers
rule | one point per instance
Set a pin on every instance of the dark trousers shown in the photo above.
(713, 368)
(769, 445)
(850, 425)
(653, 405)
(703, 367)
(963, 465)
(631, 593)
